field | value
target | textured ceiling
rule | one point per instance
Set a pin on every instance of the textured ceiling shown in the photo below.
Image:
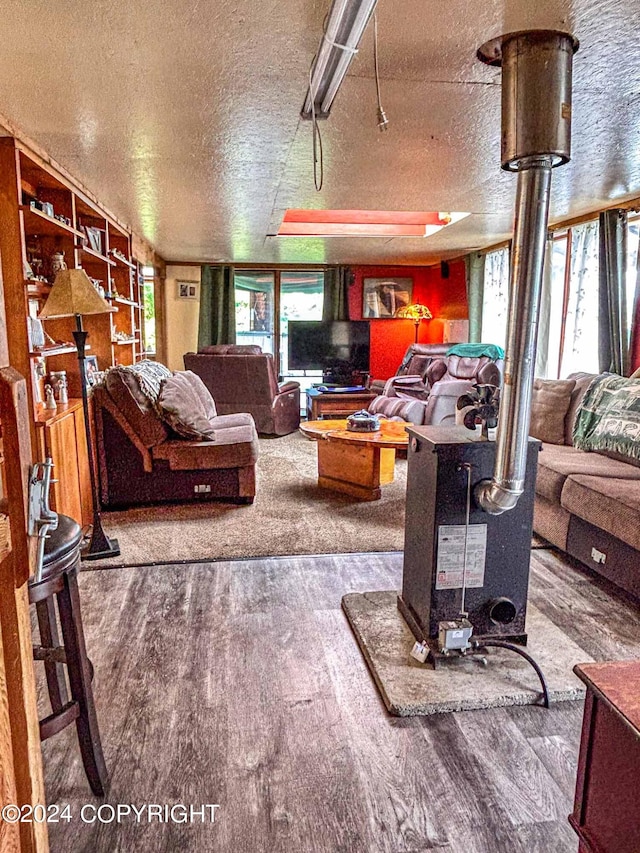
(183, 117)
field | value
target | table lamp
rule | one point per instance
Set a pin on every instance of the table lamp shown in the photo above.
(73, 295)
(415, 312)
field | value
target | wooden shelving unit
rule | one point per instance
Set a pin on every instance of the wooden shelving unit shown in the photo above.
(88, 238)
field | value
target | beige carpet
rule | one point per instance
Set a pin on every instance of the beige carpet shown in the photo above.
(409, 688)
(290, 515)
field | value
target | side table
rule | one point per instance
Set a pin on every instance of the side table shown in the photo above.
(606, 813)
(338, 405)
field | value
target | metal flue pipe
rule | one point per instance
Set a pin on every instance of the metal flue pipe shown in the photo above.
(536, 134)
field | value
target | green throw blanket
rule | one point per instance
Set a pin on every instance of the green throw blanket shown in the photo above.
(477, 350)
(609, 417)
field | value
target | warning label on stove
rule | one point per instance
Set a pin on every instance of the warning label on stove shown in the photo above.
(462, 551)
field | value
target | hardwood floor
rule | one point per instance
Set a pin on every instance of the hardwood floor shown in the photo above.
(239, 683)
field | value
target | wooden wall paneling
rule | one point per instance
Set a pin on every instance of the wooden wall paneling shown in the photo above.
(15, 568)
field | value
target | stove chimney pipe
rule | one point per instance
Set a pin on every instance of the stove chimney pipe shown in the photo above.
(536, 137)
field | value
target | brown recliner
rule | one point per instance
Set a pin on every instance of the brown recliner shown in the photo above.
(243, 379)
(415, 362)
(432, 400)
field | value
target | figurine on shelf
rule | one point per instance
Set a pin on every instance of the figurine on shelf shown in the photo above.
(58, 263)
(50, 402)
(39, 373)
(63, 393)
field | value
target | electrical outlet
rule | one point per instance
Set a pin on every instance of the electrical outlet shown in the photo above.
(202, 489)
(598, 556)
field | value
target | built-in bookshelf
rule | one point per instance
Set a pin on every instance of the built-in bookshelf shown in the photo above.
(47, 219)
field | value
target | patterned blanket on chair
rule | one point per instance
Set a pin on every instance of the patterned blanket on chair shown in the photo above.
(609, 417)
(149, 375)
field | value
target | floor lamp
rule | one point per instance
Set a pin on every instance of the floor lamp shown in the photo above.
(415, 312)
(73, 295)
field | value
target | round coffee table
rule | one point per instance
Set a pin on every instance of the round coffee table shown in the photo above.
(356, 463)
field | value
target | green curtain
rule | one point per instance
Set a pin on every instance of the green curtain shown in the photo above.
(474, 265)
(217, 322)
(336, 293)
(613, 338)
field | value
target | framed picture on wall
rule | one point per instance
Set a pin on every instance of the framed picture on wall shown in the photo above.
(188, 289)
(93, 371)
(382, 297)
(94, 238)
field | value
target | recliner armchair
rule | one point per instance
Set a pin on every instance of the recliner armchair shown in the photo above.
(415, 362)
(433, 401)
(243, 379)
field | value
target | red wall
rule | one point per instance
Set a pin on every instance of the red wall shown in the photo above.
(446, 298)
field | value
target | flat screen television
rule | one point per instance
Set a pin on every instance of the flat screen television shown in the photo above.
(333, 346)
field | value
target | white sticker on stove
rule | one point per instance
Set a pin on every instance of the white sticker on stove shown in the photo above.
(452, 559)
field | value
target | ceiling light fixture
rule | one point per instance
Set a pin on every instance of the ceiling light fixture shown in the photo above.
(346, 22)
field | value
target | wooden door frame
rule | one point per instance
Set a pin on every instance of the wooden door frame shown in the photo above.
(21, 774)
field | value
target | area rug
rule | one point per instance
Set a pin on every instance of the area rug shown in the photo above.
(291, 515)
(409, 688)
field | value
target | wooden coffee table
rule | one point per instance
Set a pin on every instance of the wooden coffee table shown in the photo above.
(356, 463)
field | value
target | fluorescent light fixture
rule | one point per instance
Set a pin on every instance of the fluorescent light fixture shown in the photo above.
(364, 223)
(346, 22)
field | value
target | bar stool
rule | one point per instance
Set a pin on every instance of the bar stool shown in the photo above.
(60, 579)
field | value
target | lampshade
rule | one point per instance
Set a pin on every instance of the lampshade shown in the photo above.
(415, 312)
(73, 293)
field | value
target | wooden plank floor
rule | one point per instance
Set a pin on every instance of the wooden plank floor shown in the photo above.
(240, 684)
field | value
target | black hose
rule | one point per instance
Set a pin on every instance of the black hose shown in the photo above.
(502, 644)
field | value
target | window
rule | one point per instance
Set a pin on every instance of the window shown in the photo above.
(265, 302)
(580, 349)
(495, 300)
(569, 310)
(554, 307)
(149, 311)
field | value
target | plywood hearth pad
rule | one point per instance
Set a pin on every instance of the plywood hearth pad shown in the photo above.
(409, 688)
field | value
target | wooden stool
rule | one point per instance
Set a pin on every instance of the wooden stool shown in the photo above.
(60, 579)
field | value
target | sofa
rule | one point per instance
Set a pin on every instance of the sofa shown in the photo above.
(244, 379)
(160, 439)
(587, 503)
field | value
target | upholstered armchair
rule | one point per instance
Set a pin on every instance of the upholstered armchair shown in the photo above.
(433, 400)
(415, 362)
(243, 379)
(159, 438)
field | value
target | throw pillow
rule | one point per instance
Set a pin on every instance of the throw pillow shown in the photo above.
(549, 406)
(185, 407)
(202, 392)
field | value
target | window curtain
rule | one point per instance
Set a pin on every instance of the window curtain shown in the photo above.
(495, 298)
(579, 349)
(217, 322)
(613, 339)
(634, 346)
(544, 316)
(335, 305)
(474, 267)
